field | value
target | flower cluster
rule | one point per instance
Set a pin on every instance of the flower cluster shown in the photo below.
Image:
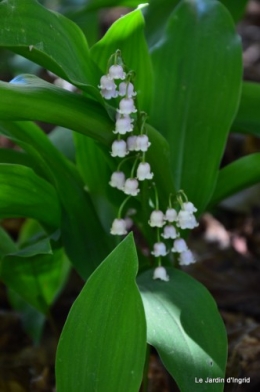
(132, 143)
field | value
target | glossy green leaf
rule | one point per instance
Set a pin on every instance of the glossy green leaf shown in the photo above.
(79, 237)
(198, 70)
(54, 42)
(35, 99)
(247, 119)
(156, 16)
(102, 346)
(237, 176)
(36, 273)
(127, 34)
(62, 139)
(184, 326)
(24, 194)
(235, 7)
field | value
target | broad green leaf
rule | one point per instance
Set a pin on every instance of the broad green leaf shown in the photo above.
(47, 38)
(236, 8)
(184, 326)
(156, 16)
(247, 119)
(35, 99)
(103, 343)
(198, 68)
(24, 194)
(62, 139)
(36, 273)
(97, 4)
(127, 34)
(9, 155)
(237, 176)
(79, 237)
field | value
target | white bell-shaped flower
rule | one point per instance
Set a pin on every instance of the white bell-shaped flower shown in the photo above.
(117, 180)
(108, 94)
(124, 125)
(126, 106)
(179, 245)
(116, 72)
(119, 149)
(186, 258)
(144, 171)
(126, 89)
(118, 227)
(142, 143)
(159, 249)
(188, 206)
(186, 220)
(160, 273)
(171, 215)
(156, 219)
(170, 231)
(131, 143)
(107, 83)
(131, 187)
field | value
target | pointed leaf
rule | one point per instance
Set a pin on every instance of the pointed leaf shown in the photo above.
(197, 66)
(54, 42)
(36, 274)
(102, 346)
(78, 235)
(35, 99)
(24, 194)
(237, 176)
(184, 326)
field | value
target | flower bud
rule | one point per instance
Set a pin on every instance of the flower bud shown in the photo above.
(126, 106)
(126, 89)
(186, 258)
(179, 245)
(119, 149)
(142, 143)
(156, 219)
(117, 180)
(160, 273)
(131, 187)
(159, 249)
(171, 215)
(144, 171)
(170, 232)
(123, 125)
(118, 227)
(116, 72)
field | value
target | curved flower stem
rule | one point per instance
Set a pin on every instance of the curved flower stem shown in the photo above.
(122, 206)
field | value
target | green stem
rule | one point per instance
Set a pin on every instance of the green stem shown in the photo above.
(122, 206)
(144, 387)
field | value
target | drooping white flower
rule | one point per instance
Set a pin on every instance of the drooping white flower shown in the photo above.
(179, 245)
(126, 106)
(124, 125)
(107, 83)
(126, 89)
(116, 72)
(188, 206)
(156, 219)
(131, 187)
(117, 180)
(118, 227)
(159, 249)
(144, 171)
(142, 143)
(108, 94)
(131, 143)
(170, 232)
(186, 220)
(171, 215)
(186, 258)
(119, 149)
(160, 273)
